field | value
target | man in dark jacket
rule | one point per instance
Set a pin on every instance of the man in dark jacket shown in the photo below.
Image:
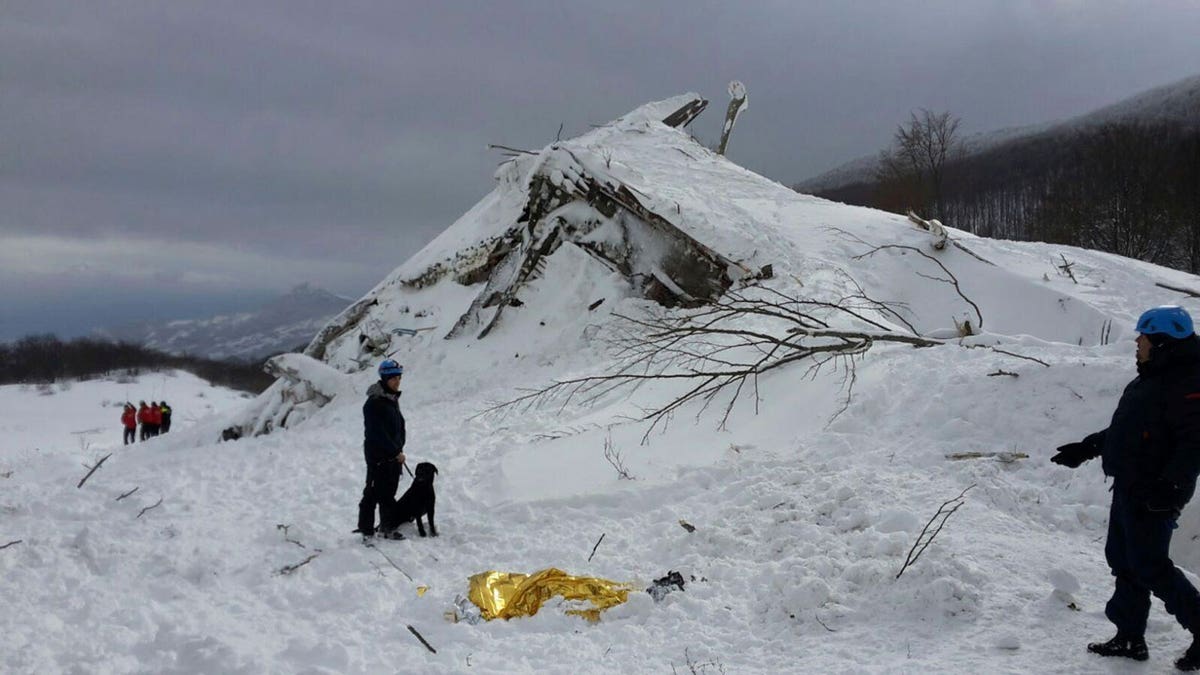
(1151, 449)
(165, 409)
(383, 448)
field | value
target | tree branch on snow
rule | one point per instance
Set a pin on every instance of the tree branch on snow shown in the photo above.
(11, 543)
(1177, 289)
(127, 494)
(92, 469)
(1008, 353)
(712, 350)
(926, 537)
(596, 546)
(284, 528)
(950, 278)
(614, 458)
(152, 506)
(697, 667)
(392, 563)
(1006, 457)
(422, 639)
(723, 347)
(1065, 268)
(288, 569)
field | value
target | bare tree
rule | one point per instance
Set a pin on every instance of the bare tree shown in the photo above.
(915, 163)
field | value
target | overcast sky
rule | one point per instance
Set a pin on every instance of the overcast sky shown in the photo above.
(175, 159)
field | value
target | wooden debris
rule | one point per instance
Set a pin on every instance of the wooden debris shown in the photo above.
(596, 546)
(92, 470)
(1004, 456)
(422, 639)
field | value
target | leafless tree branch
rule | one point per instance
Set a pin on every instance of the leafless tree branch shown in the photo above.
(614, 458)
(288, 569)
(925, 537)
(951, 279)
(92, 469)
(127, 494)
(11, 543)
(717, 352)
(391, 562)
(284, 529)
(152, 506)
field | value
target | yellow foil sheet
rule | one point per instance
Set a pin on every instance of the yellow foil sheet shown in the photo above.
(504, 595)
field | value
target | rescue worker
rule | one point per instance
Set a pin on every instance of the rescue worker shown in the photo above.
(165, 412)
(383, 449)
(1151, 449)
(143, 418)
(129, 422)
(155, 418)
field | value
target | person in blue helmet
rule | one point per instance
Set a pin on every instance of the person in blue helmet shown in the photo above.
(1151, 449)
(383, 449)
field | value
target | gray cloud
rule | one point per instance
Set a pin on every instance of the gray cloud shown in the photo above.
(352, 133)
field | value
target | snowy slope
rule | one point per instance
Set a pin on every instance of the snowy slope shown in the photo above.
(802, 516)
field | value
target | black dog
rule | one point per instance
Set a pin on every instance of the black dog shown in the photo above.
(417, 500)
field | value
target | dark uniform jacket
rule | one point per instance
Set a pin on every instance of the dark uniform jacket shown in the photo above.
(383, 425)
(1154, 437)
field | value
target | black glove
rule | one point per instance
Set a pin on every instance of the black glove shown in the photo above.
(1160, 497)
(1073, 454)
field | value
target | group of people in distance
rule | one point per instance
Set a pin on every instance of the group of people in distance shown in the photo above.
(155, 419)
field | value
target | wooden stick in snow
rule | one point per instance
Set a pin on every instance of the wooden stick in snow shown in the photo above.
(422, 639)
(596, 546)
(1177, 289)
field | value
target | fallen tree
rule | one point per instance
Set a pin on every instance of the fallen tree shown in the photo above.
(724, 346)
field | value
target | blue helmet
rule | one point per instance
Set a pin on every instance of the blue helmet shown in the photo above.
(1169, 320)
(389, 368)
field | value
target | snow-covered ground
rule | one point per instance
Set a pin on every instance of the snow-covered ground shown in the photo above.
(803, 517)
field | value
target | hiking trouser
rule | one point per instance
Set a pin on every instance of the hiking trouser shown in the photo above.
(1138, 552)
(129, 435)
(380, 491)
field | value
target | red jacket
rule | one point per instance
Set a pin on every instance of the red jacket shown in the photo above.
(143, 415)
(129, 418)
(155, 416)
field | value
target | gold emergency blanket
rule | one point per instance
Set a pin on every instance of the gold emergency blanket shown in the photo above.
(504, 595)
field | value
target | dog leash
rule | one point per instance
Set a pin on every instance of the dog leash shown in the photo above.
(405, 465)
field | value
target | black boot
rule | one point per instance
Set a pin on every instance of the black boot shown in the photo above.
(1191, 658)
(1128, 647)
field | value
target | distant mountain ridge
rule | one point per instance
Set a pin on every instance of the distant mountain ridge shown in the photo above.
(282, 324)
(1175, 102)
